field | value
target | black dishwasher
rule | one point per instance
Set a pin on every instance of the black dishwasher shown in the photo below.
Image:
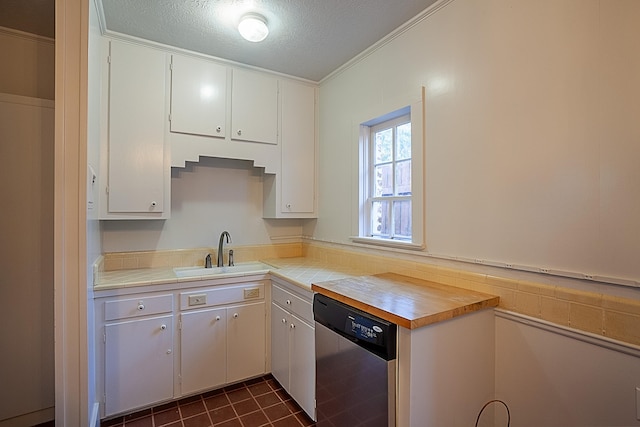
(355, 366)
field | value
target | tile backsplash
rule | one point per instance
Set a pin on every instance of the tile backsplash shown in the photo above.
(600, 314)
(193, 257)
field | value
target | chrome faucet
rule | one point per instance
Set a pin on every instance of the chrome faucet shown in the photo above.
(220, 243)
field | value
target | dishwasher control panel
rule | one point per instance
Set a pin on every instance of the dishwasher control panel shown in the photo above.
(366, 330)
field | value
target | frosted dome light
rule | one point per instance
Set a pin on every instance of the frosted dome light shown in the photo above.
(253, 27)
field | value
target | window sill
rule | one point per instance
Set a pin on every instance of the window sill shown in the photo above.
(387, 243)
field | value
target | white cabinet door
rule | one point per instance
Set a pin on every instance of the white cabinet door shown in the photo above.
(198, 97)
(138, 363)
(136, 129)
(246, 335)
(203, 350)
(303, 368)
(293, 344)
(254, 107)
(298, 148)
(280, 345)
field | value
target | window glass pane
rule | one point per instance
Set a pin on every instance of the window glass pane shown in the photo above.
(402, 219)
(383, 146)
(383, 180)
(403, 178)
(403, 142)
(380, 219)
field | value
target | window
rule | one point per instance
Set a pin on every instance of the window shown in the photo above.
(391, 179)
(389, 202)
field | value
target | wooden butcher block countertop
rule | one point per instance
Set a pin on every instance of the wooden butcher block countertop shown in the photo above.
(405, 301)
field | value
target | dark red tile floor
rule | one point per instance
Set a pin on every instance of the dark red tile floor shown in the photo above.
(255, 403)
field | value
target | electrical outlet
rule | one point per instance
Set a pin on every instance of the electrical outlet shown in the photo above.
(251, 293)
(197, 299)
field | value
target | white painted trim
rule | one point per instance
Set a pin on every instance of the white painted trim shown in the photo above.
(26, 100)
(599, 340)
(102, 20)
(70, 252)
(399, 244)
(24, 35)
(94, 421)
(113, 35)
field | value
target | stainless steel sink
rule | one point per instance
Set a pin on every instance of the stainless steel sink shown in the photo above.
(239, 268)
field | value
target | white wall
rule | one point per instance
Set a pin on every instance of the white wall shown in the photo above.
(206, 198)
(550, 377)
(531, 132)
(26, 246)
(27, 65)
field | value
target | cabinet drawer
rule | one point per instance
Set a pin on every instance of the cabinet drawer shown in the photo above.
(293, 303)
(222, 295)
(136, 307)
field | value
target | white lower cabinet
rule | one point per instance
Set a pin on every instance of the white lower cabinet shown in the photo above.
(293, 343)
(221, 346)
(140, 362)
(246, 341)
(302, 364)
(224, 344)
(138, 367)
(203, 348)
(280, 344)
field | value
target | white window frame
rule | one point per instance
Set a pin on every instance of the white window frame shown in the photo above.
(362, 222)
(392, 123)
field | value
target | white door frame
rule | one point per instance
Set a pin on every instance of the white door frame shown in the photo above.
(70, 276)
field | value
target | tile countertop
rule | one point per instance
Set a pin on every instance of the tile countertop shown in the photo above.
(303, 272)
(299, 271)
(406, 301)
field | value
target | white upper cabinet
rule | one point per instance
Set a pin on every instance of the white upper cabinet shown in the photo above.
(292, 192)
(163, 109)
(298, 148)
(133, 149)
(254, 107)
(198, 97)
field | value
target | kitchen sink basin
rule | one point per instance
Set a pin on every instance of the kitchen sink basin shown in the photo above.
(240, 268)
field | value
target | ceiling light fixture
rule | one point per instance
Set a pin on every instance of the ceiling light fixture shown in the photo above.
(253, 27)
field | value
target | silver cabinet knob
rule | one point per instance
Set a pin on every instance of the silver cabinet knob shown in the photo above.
(153, 204)
(239, 132)
(217, 317)
(288, 302)
(235, 315)
(140, 306)
(163, 327)
(284, 320)
(219, 129)
(292, 326)
(169, 351)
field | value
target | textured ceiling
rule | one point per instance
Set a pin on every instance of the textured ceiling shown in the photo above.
(30, 16)
(308, 38)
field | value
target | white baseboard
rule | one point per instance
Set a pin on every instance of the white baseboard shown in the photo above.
(30, 419)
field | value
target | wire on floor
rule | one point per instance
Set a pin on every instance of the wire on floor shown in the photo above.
(495, 401)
